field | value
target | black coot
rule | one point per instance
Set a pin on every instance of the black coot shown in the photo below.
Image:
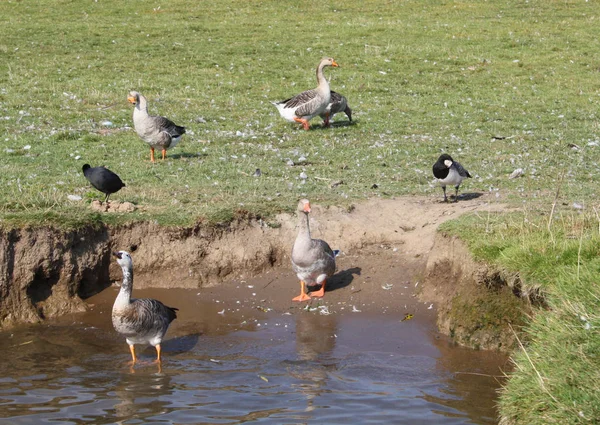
(103, 179)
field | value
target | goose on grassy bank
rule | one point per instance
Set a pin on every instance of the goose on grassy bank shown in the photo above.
(312, 259)
(159, 132)
(103, 179)
(140, 321)
(308, 104)
(449, 172)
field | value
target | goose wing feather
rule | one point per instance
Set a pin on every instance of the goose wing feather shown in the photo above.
(148, 316)
(168, 126)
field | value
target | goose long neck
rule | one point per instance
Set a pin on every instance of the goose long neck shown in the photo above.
(304, 231)
(142, 105)
(321, 80)
(127, 284)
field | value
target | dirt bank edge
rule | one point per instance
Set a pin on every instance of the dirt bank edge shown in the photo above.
(46, 272)
(479, 306)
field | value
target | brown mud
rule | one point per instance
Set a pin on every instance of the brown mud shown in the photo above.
(47, 273)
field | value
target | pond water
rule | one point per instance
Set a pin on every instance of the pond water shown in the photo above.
(245, 365)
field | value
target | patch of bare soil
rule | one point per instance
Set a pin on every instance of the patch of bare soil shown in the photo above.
(112, 206)
(385, 245)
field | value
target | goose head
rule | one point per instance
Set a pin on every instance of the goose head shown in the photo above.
(134, 97)
(124, 259)
(328, 62)
(304, 206)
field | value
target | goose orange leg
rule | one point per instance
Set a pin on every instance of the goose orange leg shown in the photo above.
(326, 123)
(132, 351)
(303, 295)
(303, 122)
(320, 293)
(158, 349)
(152, 154)
(164, 153)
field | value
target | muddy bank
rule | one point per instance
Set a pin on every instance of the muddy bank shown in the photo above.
(46, 273)
(479, 306)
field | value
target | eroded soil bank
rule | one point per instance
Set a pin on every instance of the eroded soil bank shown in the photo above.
(46, 273)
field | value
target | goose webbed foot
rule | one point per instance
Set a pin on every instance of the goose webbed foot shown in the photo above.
(319, 293)
(304, 123)
(303, 296)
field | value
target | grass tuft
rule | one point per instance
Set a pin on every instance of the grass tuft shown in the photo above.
(557, 370)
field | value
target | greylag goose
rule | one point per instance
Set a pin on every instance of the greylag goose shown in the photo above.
(449, 172)
(312, 259)
(103, 179)
(143, 320)
(337, 103)
(308, 104)
(159, 132)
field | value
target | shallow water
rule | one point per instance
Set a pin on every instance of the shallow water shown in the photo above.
(243, 365)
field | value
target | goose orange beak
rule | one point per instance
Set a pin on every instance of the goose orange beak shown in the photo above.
(334, 63)
(307, 207)
(131, 99)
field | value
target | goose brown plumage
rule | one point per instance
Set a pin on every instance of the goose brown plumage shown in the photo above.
(142, 320)
(159, 132)
(312, 259)
(308, 104)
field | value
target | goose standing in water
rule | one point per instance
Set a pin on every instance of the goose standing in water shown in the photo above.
(312, 259)
(308, 104)
(337, 103)
(159, 132)
(143, 320)
(103, 179)
(449, 172)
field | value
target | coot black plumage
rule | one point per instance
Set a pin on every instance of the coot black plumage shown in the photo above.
(103, 179)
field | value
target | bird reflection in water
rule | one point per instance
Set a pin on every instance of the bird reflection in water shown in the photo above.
(139, 395)
(315, 341)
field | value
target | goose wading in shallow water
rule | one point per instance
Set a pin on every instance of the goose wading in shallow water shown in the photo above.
(312, 259)
(449, 172)
(103, 179)
(306, 105)
(159, 132)
(140, 321)
(337, 103)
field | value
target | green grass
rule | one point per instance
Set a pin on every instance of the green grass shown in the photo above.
(498, 84)
(557, 371)
(422, 77)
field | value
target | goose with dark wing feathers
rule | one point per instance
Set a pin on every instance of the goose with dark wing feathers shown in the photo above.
(312, 259)
(143, 320)
(308, 104)
(337, 103)
(159, 132)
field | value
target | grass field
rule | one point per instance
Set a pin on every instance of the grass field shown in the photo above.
(499, 85)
